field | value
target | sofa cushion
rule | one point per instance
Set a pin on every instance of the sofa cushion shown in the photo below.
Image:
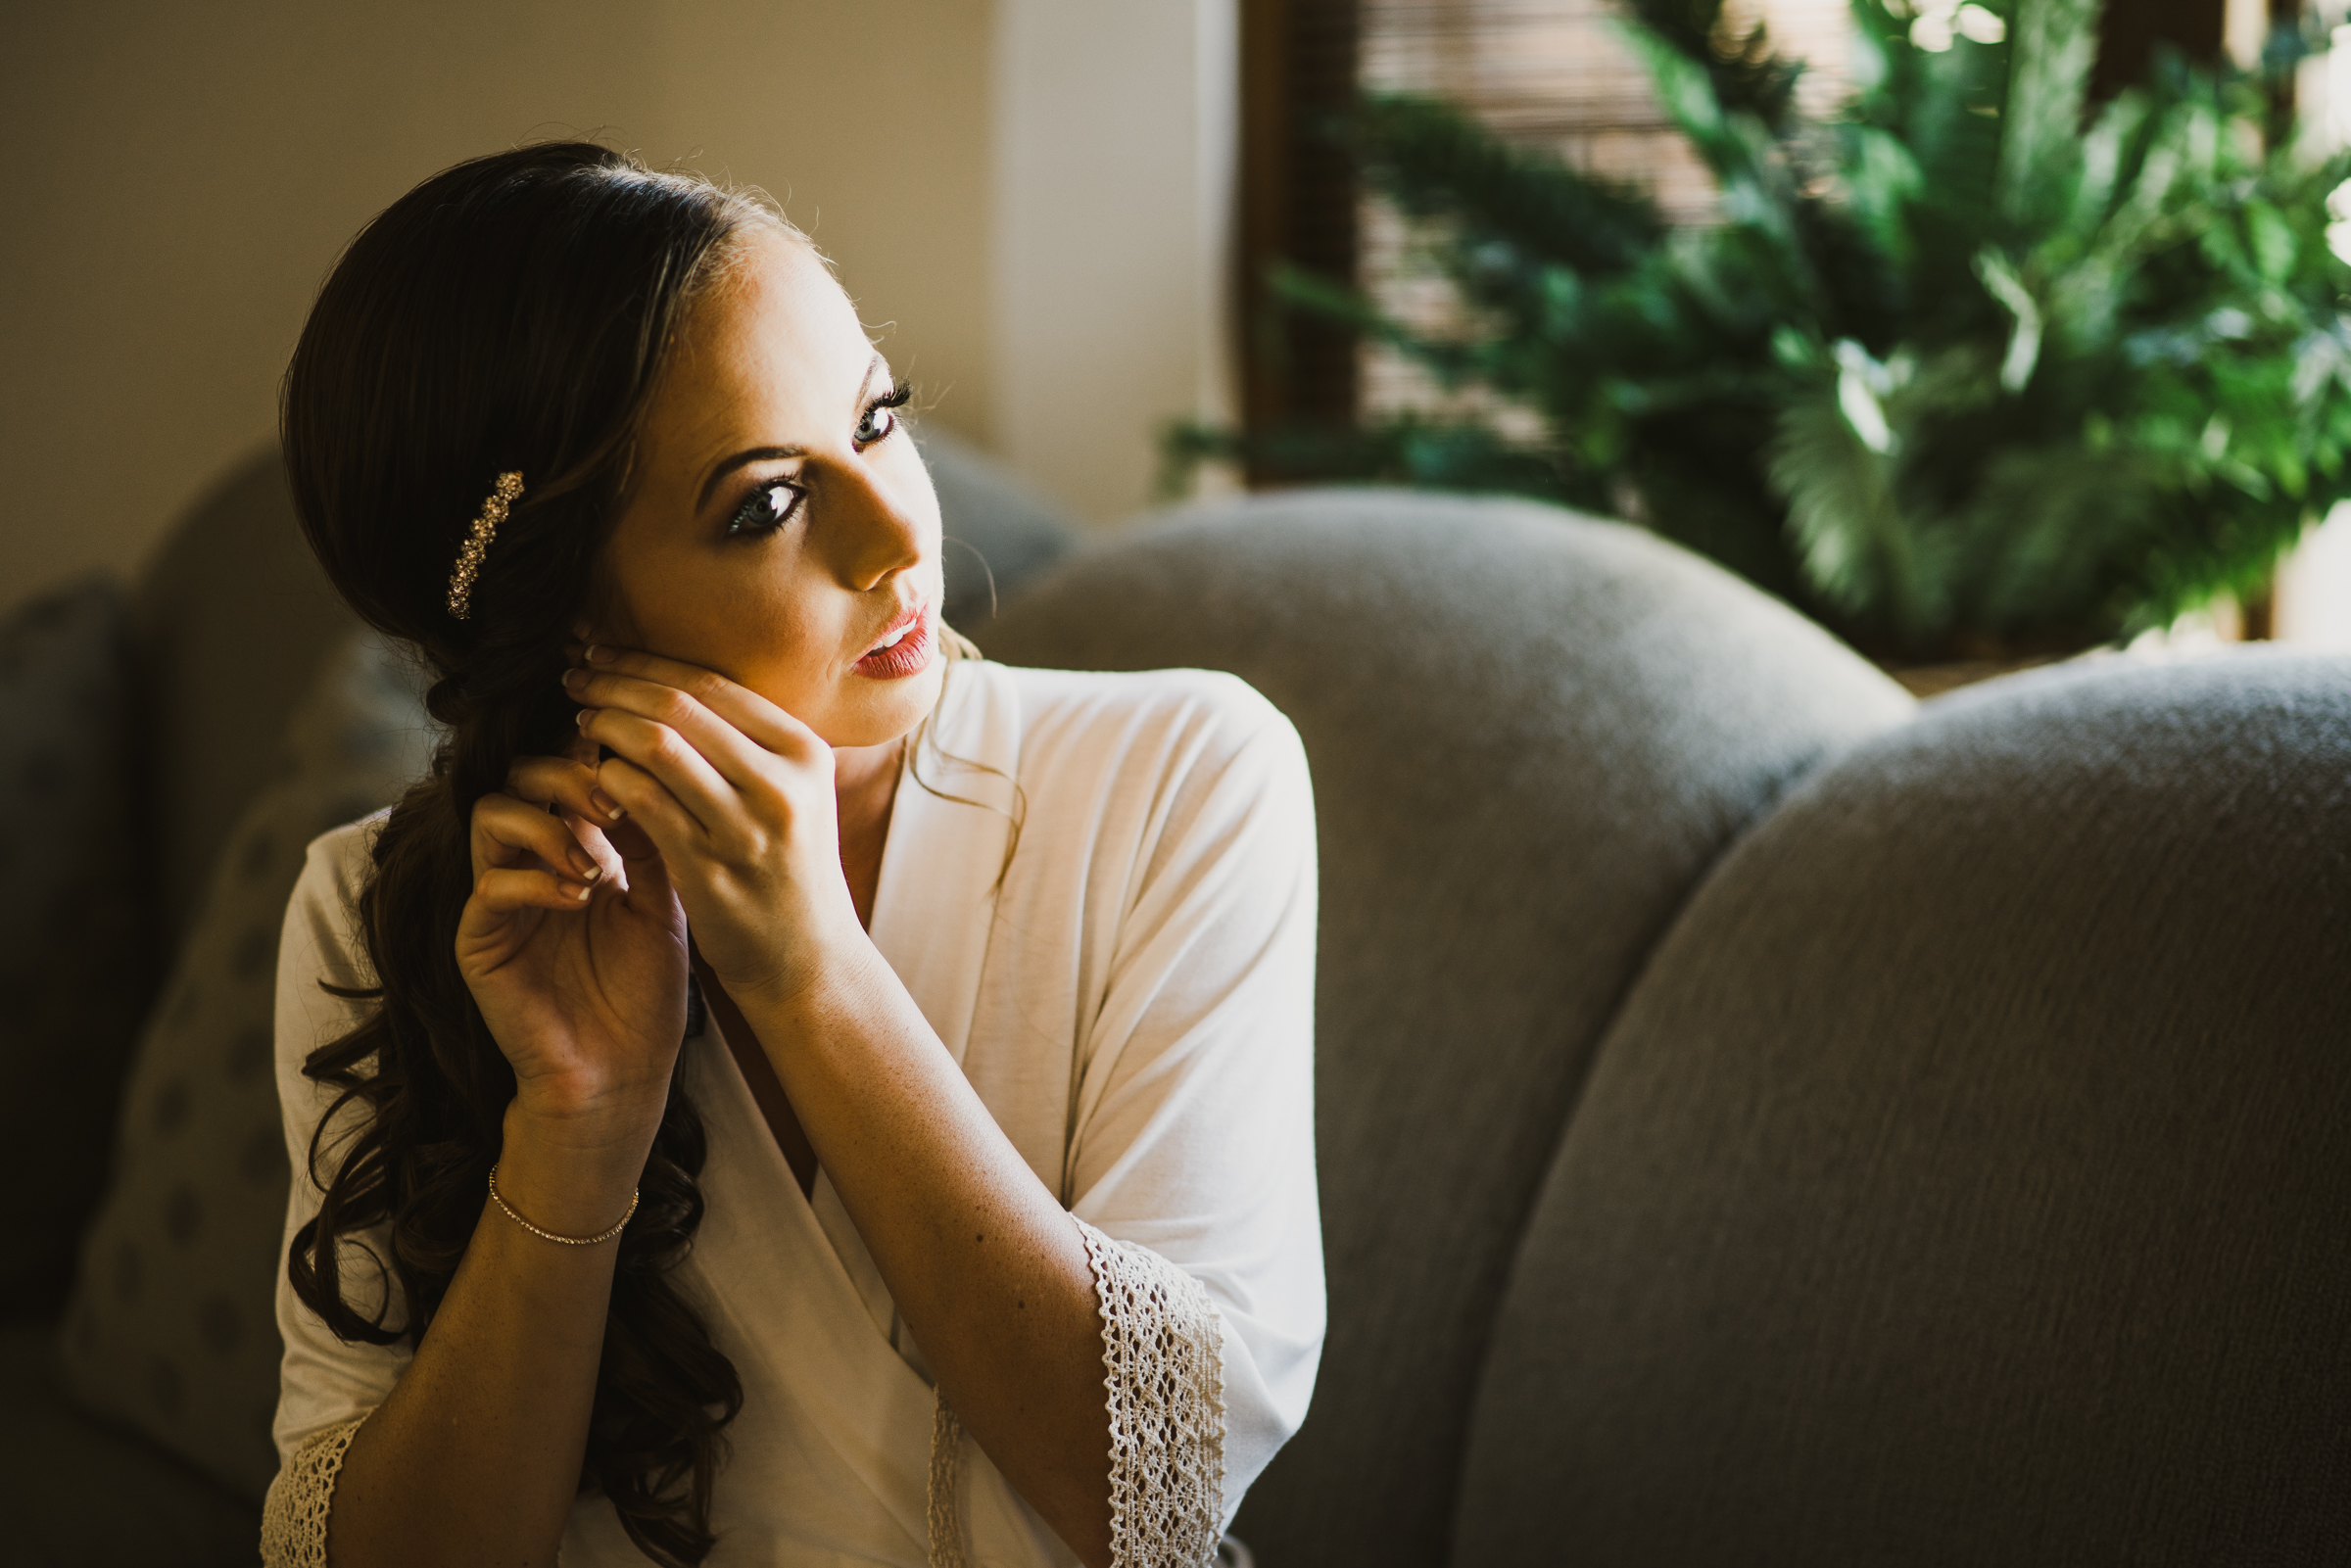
(76, 962)
(171, 1329)
(1530, 735)
(1967, 1181)
(81, 1493)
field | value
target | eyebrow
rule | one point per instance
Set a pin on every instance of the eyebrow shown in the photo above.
(756, 455)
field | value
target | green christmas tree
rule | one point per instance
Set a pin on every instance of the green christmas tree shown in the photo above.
(1965, 369)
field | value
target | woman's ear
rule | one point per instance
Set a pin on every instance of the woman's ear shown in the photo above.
(594, 620)
(604, 617)
(597, 624)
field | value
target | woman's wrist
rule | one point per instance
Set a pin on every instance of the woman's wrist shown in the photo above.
(566, 1177)
(842, 969)
(605, 1111)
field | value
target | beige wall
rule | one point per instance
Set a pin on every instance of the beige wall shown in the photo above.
(1116, 129)
(182, 175)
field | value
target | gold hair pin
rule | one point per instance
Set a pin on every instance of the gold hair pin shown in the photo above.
(502, 496)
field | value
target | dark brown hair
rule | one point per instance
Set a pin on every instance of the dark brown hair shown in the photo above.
(511, 313)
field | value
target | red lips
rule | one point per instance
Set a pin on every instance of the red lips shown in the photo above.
(909, 655)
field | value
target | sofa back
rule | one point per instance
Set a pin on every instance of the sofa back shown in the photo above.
(230, 621)
(1968, 1178)
(1531, 736)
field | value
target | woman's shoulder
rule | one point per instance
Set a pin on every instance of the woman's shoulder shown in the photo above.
(1184, 750)
(322, 958)
(321, 930)
(1125, 710)
(336, 866)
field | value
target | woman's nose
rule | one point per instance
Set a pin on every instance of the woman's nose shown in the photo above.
(882, 532)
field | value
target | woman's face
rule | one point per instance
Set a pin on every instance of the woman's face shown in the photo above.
(781, 528)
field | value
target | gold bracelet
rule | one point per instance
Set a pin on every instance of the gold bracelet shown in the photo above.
(549, 1235)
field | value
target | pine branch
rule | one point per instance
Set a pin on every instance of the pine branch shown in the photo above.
(1434, 160)
(2055, 42)
(2043, 542)
(1428, 453)
(1744, 72)
(1860, 552)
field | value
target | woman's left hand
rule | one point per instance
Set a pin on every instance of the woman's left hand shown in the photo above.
(738, 795)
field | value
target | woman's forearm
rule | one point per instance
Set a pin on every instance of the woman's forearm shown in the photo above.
(983, 1262)
(475, 1454)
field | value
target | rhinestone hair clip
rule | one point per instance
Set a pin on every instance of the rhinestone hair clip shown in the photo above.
(502, 496)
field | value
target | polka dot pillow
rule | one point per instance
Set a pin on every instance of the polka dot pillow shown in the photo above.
(171, 1326)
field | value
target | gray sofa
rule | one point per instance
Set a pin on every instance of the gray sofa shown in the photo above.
(1760, 1120)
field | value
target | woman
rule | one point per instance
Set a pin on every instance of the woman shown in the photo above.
(974, 1218)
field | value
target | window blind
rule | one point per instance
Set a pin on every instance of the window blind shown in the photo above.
(1554, 75)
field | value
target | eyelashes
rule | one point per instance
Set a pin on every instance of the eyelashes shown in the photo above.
(777, 502)
(767, 509)
(880, 418)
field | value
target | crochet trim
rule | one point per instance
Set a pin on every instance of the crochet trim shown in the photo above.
(294, 1513)
(1163, 1360)
(1163, 1355)
(945, 1505)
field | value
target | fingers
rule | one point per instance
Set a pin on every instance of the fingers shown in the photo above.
(510, 832)
(689, 700)
(503, 890)
(658, 777)
(697, 755)
(567, 784)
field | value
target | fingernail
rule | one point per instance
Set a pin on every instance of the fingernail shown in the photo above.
(582, 895)
(582, 719)
(599, 655)
(573, 680)
(588, 869)
(606, 804)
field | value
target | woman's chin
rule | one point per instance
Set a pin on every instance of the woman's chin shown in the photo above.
(876, 712)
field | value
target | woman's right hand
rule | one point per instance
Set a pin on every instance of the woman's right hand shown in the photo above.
(573, 944)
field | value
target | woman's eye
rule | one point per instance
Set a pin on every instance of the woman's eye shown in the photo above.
(881, 416)
(770, 506)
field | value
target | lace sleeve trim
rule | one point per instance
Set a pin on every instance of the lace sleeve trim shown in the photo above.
(294, 1514)
(1163, 1356)
(944, 1505)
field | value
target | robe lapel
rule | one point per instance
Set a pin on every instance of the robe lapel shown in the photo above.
(791, 1318)
(941, 867)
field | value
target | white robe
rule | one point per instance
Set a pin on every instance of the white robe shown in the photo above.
(1133, 1004)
